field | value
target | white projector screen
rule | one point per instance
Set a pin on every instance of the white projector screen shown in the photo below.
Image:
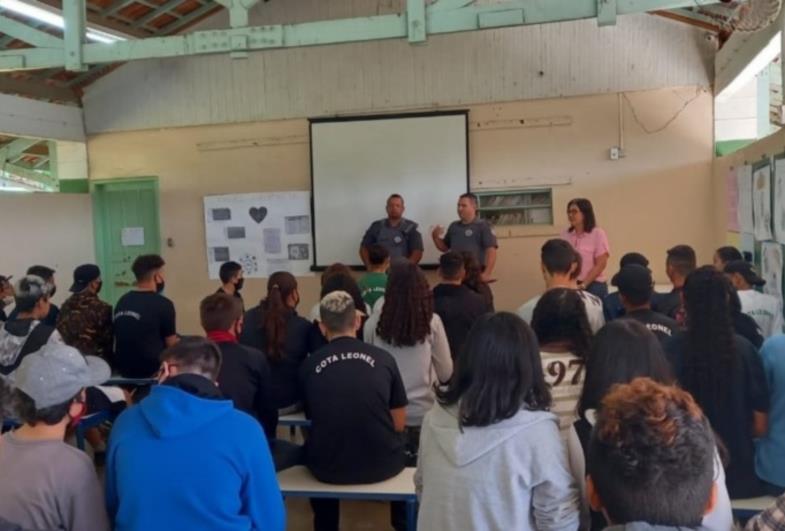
(357, 163)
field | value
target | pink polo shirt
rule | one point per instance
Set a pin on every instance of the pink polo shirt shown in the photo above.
(589, 245)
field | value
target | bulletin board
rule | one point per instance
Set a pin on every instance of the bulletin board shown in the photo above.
(263, 232)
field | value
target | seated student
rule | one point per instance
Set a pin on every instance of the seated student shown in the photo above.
(245, 374)
(491, 455)
(770, 449)
(651, 459)
(185, 458)
(565, 338)
(48, 275)
(622, 351)
(772, 519)
(341, 280)
(408, 328)
(45, 483)
(144, 321)
(636, 288)
(724, 373)
(333, 269)
(6, 296)
(356, 401)
(458, 306)
(373, 283)
(285, 338)
(743, 324)
(473, 279)
(85, 321)
(726, 254)
(26, 332)
(231, 275)
(765, 309)
(612, 307)
(680, 262)
(560, 265)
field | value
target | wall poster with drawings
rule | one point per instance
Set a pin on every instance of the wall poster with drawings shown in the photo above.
(264, 232)
(761, 200)
(778, 194)
(771, 268)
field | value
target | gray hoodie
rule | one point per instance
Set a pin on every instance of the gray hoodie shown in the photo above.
(510, 476)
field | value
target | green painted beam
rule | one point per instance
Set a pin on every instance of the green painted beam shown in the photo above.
(16, 148)
(379, 27)
(28, 34)
(606, 12)
(33, 176)
(157, 12)
(415, 20)
(74, 15)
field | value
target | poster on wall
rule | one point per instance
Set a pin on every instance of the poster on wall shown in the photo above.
(761, 201)
(771, 268)
(732, 199)
(744, 182)
(263, 232)
(779, 198)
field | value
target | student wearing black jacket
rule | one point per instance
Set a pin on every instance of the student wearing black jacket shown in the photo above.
(286, 338)
(245, 374)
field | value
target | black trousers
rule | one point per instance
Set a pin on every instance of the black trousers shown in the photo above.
(327, 514)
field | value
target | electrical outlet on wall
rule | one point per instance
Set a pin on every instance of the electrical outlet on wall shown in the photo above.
(616, 153)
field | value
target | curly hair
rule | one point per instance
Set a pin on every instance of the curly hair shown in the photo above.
(408, 307)
(651, 455)
(560, 316)
(711, 354)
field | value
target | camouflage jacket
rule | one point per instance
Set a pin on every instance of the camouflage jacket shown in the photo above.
(85, 322)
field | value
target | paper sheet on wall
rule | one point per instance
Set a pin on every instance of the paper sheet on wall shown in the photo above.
(132, 236)
(744, 182)
(779, 200)
(761, 202)
(264, 232)
(771, 268)
(732, 200)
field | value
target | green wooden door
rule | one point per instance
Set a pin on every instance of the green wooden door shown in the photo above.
(126, 221)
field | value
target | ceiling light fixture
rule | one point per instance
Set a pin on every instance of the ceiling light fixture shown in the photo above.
(56, 20)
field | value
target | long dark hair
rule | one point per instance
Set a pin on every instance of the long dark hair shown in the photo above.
(498, 372)
(341, 280)
(586, 208)
(622, 350)
(711, 354)
(560, 317)
(275, 312)
(408, 307)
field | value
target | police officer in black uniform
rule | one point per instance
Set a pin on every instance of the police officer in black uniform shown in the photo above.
(395, 233)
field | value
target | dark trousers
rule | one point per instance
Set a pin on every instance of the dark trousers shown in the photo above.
(285, 454)
(600, 289)
(327, 514)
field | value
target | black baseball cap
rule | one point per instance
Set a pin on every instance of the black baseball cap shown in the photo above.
(633, 278)
(746, 270)
(83, 275)
(633, 258)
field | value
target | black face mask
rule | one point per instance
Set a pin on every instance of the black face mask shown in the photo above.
(159, 286)
(52, 293)
(239, 284)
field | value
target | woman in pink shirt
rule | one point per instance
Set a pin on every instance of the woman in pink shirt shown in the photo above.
(591, 242)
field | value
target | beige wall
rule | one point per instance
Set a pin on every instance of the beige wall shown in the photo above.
(657, 196)
(48, 229)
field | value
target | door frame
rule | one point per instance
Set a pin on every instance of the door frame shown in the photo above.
(102, 253)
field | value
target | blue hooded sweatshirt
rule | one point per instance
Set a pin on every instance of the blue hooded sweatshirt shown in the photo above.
(178, 461)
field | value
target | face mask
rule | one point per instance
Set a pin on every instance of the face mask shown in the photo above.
(54, 290)
(159, 286)
(239, 284)
(98, 287)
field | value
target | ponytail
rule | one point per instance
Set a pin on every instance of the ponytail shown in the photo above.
(276, 314)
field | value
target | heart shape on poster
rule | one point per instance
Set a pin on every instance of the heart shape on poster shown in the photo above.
(258, 214)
